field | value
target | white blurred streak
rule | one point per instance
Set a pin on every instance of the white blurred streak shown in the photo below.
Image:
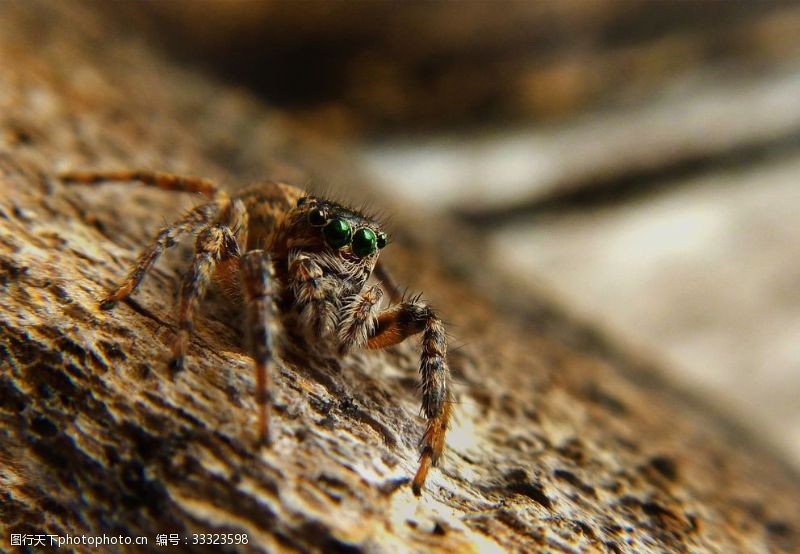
(698, 118)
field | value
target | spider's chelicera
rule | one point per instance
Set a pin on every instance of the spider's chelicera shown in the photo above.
(295, 263)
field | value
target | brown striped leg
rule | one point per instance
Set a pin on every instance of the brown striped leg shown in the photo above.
(166, 181)
(357, 319)
(214, 244)
(257, 275)
(194, 219)
(395, 325)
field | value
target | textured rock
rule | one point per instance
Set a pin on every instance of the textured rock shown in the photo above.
(560, 441)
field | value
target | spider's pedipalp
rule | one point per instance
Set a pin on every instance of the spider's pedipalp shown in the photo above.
(256, 276)
(315, 294)
(358, 319)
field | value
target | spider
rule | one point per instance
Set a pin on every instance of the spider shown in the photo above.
(294, 262)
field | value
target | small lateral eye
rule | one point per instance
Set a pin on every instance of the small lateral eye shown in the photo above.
(337, 233)
(381, 239)
(364, 242)
(302, 200)
(316, 217)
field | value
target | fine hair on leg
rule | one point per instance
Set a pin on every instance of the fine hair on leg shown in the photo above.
(158, 179)
(196, 218)
(256, 276)
(396, 324)
(213, 244)
(357, 319)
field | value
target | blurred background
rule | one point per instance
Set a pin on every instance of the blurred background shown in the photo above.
(640, 160)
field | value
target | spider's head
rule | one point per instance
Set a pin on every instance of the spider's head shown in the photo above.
(331, 230)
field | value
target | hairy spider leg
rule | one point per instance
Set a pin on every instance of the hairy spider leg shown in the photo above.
(257, 277)
(214, 244)
(396, 324)
(191, 222)
(167, 237)
(158, 179)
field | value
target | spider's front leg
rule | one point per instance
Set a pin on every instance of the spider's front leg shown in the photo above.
(256, 275)
(393, 326)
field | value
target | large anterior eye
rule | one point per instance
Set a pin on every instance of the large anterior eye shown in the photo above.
(364, 242)
(337, 233)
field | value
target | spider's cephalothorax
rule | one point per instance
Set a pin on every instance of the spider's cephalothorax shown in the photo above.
(300, 263)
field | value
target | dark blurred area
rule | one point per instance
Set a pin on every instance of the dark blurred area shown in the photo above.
(377, 67)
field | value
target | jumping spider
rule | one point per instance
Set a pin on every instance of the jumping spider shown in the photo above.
(299, 261)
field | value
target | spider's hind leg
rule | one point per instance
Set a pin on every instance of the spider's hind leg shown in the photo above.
(191, 222)
(167, 237)
(158, 179)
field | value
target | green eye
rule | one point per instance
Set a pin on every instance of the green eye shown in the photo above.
(364, 242)
(337, 233)
(381, 239)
